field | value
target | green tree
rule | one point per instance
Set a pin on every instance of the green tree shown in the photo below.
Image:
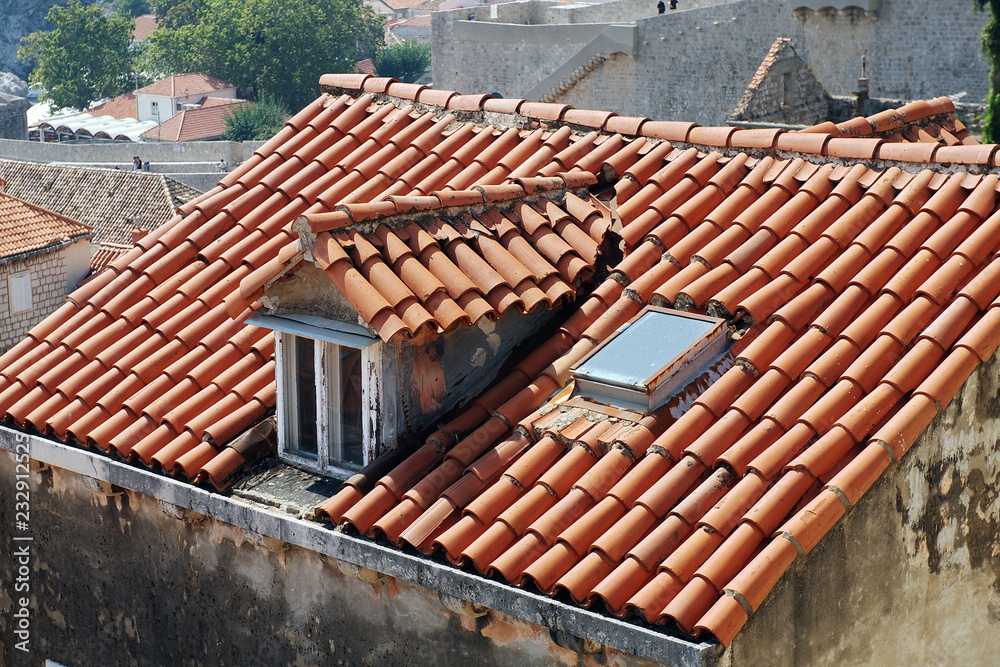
(86, 57)
(175, 13)
(991, 49)
(406, 62)
(255, 121)
(277, 48)
(132, 7)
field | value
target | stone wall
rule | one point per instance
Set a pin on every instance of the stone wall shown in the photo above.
(53, 276)
(20, 18)
(911, 575)
(695, 64)
(13, 118)
(784, 91)
(122, 152)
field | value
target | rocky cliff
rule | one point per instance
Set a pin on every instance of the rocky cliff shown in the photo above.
(19, 18)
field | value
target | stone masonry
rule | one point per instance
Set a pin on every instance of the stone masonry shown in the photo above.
(694, 64)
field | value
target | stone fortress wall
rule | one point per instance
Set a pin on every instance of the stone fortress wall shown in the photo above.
(695, 62)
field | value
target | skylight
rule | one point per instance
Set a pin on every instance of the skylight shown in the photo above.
(651, 358)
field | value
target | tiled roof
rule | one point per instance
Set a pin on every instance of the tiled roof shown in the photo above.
(402, 4)
(365, 66)
(434, 265)
(205, 122)
(186, 84)
(145, 24)
(859, 278)
(25, 228)
(112, 201)
(923, 121)
(121, 107)
(422, 21)
(105, 254)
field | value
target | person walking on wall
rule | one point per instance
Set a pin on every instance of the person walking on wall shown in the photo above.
(660, 7)
(673, 4)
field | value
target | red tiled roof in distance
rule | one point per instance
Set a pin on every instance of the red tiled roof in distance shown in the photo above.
(922, 121)
(111, 201)
(861, 292)
(121, 107)
(145, 24)
(25, 228)
(205, 122)
(186, 84)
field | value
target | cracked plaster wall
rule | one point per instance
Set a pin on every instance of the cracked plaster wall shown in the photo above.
(911, 575)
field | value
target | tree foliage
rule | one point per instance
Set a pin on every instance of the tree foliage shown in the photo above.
(131, 7)
(85, 58)
(991, 49)
(255, 121)
(406, 62)
(175, 13)
(277, 48)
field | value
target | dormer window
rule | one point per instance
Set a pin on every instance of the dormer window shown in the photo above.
(650, 359)
(324, 413)
(326, 418)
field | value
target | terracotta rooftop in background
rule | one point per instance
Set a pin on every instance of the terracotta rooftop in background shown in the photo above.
(923, 121)
(121, 107)
(145, 24)
(859, 277)
(365, 66)
(186, 84)
(25, 228)
(205, 122)
(112, 201)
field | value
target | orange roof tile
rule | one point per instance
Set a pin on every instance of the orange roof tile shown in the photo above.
(185, 84)
(112, 201)
(25, 228)
(923, 121)
(145, 24)
(860, 294)
(205, 122)
(121, 107)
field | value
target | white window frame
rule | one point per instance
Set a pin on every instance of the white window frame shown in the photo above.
(326, 359)
(19, 291)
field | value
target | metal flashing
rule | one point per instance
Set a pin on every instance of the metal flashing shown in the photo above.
(318, 328)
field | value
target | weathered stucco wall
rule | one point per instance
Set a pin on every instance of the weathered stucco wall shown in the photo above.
(912, 574)
(122, 579)
(695, 64)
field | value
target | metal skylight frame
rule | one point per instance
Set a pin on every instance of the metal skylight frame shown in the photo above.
(615, 372)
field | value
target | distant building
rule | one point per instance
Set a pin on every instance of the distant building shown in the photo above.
(161, 100)
(111, 202)
(43, 256)
(185, 107)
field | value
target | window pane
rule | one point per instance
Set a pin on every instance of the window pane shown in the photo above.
(351, 429)
(304, 386)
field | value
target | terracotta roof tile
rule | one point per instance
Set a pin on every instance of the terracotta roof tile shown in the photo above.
(862, 297)
(113, 202)
(178, 85)
(25, 228)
